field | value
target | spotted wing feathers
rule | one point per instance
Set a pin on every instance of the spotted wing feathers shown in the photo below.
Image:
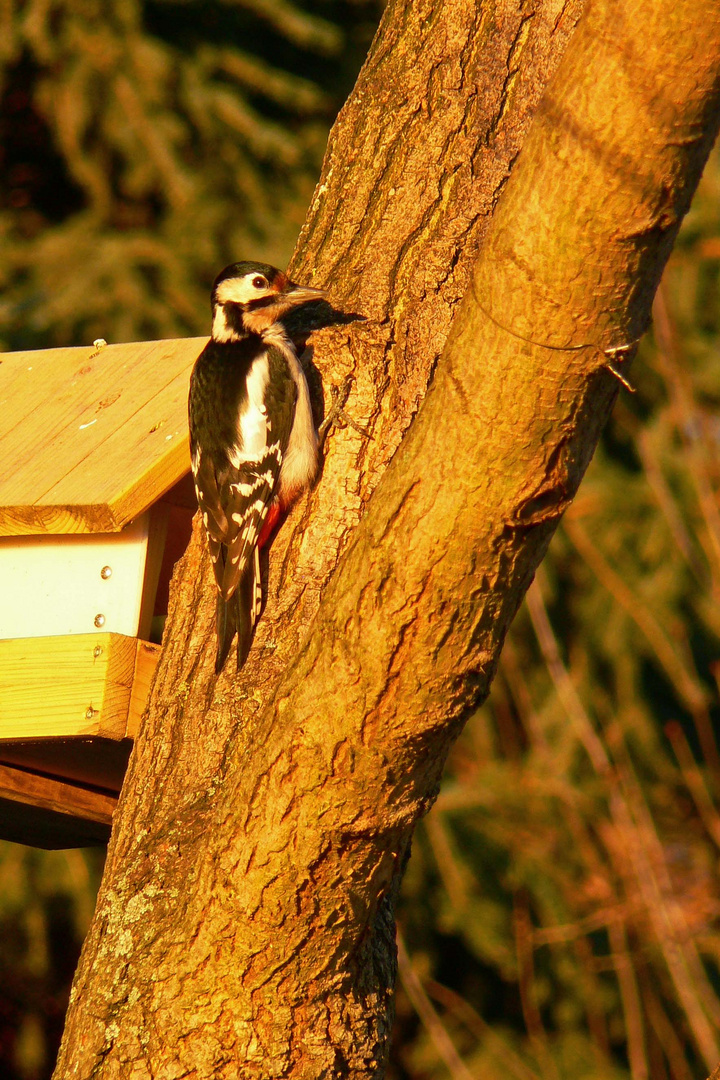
(234, 505)
(246, 496)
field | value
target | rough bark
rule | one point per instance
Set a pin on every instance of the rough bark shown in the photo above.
(244, 926)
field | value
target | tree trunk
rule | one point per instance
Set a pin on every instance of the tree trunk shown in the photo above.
(244, 925)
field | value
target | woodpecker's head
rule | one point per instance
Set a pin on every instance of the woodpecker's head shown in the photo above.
(249, 297)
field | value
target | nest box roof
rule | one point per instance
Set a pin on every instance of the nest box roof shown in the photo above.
(90, 439)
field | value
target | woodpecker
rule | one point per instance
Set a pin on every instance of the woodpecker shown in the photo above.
(253, 443)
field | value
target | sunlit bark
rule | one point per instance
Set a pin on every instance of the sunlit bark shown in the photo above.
(244, 926)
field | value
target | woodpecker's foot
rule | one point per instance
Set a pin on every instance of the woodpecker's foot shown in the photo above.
(619, 352)
(337, 414)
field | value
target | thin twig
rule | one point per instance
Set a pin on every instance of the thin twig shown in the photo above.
(453, 874)
(429, 1017)
(694, 781)
(686, 683)
(526, 979)
(668, 506)
(563, 683)
(666, 1034)
(517, 689)
(630, 997)
(491, 1040)
(690, 425)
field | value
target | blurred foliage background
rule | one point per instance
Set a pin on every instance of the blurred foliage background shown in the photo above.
(145, 143)
(559, 916)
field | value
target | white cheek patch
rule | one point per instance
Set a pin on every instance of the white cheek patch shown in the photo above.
(240, 290)
(220, 329)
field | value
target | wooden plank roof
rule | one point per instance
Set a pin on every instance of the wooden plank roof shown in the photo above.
(90, 439)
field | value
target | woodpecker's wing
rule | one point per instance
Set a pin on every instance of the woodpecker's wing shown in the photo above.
(211, 507)
(245, 494)
(250, 486)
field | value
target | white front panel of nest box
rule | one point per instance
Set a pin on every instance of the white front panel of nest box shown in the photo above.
(73, 584)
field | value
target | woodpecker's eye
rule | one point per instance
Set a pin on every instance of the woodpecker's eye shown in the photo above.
(259, 282)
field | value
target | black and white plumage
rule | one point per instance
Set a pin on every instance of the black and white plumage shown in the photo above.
(253, 442)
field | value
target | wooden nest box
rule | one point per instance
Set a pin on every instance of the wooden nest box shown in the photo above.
(95, 508)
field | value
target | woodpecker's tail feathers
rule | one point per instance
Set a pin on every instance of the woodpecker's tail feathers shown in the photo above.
(239, 614)
(226, 627)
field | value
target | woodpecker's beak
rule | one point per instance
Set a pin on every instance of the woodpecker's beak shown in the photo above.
(293, 294)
